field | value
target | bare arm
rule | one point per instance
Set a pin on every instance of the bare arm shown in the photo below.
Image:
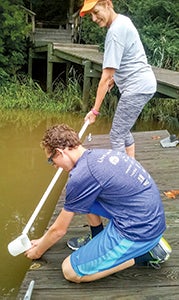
(105, 84)
(54, 233)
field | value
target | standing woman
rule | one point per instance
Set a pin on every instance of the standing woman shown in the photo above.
(125, 64)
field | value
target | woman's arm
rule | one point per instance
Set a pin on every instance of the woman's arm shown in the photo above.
(105, 84)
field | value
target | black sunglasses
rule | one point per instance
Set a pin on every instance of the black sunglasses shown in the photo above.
(50, 159)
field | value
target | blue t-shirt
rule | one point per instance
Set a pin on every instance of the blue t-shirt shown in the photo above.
(122, 187)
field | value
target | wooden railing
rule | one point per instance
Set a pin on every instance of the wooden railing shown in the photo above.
(30, 18)
(76, 27)
(71, 23)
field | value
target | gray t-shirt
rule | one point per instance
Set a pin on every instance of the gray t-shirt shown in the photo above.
(125, 53)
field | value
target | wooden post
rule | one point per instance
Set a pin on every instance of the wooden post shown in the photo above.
(33, 23)
(71, 8)
(68, 66)
(86, 84)
(95, 81)
(30, 63)
(49, 67)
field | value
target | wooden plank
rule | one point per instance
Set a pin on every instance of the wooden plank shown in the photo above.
(81, 54)
(136, 282)
(170, 91)
(171, 78)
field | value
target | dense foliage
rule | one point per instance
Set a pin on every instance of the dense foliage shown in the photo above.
(158, 24)
(13, 32)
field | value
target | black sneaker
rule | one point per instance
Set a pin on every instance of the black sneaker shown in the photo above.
(77, 242)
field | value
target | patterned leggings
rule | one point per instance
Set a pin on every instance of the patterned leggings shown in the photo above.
(126, 114)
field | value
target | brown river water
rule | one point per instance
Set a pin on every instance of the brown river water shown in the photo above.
(25, 176)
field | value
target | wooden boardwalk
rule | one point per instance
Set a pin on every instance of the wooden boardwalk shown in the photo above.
(90, 58)
(136, 283)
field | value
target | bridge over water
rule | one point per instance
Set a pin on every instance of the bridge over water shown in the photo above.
(60, 46)
(90, 58)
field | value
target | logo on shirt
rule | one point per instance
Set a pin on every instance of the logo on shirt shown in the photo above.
(101, 159)
(114, 160)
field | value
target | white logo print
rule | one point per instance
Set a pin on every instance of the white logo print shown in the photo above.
(114, 160)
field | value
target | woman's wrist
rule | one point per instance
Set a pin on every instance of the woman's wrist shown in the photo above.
(95, 112)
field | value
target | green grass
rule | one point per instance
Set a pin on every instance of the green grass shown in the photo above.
(165, 111)
(23, 93)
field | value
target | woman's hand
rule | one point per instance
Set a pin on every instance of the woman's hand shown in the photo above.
(91, 117)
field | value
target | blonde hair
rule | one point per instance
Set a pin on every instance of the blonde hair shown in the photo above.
(102, 2)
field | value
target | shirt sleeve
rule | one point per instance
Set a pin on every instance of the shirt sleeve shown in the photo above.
(113, 54)
(81, 193)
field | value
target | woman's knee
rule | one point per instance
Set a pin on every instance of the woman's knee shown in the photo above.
(117, 141)
(68, 271)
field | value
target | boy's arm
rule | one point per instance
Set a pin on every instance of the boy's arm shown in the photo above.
(56, 231)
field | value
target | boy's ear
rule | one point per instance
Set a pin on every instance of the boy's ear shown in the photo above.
(60, 151)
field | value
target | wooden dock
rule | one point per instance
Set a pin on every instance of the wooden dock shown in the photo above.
(89, 57)
(136, 283)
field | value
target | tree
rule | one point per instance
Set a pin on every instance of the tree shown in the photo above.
(13, 33)
(157, 23)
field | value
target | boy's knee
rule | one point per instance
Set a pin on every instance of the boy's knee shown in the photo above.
(68, 271)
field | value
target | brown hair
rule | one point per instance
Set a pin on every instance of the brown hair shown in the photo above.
(60, 136)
